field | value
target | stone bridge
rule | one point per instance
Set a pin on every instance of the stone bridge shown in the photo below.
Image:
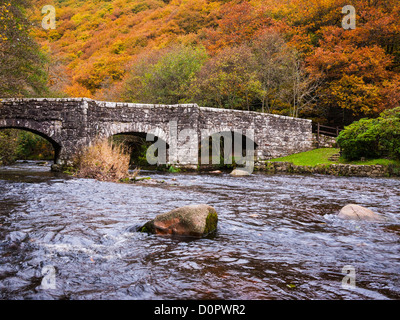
(70, 124)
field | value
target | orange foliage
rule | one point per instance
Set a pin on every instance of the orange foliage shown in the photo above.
(239, 22)
(97, 41)
(78, 91)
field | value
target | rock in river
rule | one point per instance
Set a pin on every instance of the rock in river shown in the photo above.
(216, 172)
(240, 172)
(356, 212)
(192, 221)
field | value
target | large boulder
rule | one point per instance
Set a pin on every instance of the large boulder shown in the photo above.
(356, 212)
(191, 221)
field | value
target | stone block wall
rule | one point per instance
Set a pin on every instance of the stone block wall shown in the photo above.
(324, 141)
(373, 171)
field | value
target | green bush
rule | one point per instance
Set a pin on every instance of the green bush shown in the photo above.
(372, 138)
(8, 146)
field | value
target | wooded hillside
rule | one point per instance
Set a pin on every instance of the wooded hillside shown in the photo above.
(288, 57)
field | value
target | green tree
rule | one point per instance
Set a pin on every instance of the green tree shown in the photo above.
(228, 80)
(165, 77)
(8, 146)
(22, 65)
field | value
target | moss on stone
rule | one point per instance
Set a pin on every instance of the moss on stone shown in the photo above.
(69, 170)
(211, 222)
(147, 228)
(192, 220)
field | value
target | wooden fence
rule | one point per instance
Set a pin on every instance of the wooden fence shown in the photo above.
(326, 130)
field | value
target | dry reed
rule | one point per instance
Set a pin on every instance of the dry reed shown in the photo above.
(104, 161)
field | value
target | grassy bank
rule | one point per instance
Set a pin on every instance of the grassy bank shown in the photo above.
(321, 157)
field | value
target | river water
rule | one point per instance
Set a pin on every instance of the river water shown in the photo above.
(278, 238)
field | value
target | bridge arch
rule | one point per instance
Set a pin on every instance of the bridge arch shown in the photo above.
(248, 132)
(137, 144)
(140, 130)
(137, 128)
(35, 128)
(222, 134)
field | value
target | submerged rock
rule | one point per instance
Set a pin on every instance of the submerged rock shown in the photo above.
(192, 221)
(240, 173)
(356, 212)
(56, 167)
(16, 236)
(140, 178)
(216, 172)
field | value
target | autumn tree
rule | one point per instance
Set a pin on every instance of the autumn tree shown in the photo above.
(356, 75)
(238, 22)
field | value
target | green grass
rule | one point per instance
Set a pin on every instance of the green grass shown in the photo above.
(320, 156)
(310, 158)
(369, 162)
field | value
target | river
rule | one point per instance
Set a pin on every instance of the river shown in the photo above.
(278, 237)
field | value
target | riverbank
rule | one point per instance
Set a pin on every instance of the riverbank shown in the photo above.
(328, 161)
(336, 169)
(325, 161)
(333, 169)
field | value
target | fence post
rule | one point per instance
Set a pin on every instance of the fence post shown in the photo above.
(337, 131)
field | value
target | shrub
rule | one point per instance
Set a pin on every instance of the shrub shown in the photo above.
(358, 141)
(103, 161)
(372, 138)
(8, 146)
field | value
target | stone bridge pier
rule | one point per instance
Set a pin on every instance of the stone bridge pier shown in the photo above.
(70, 124)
